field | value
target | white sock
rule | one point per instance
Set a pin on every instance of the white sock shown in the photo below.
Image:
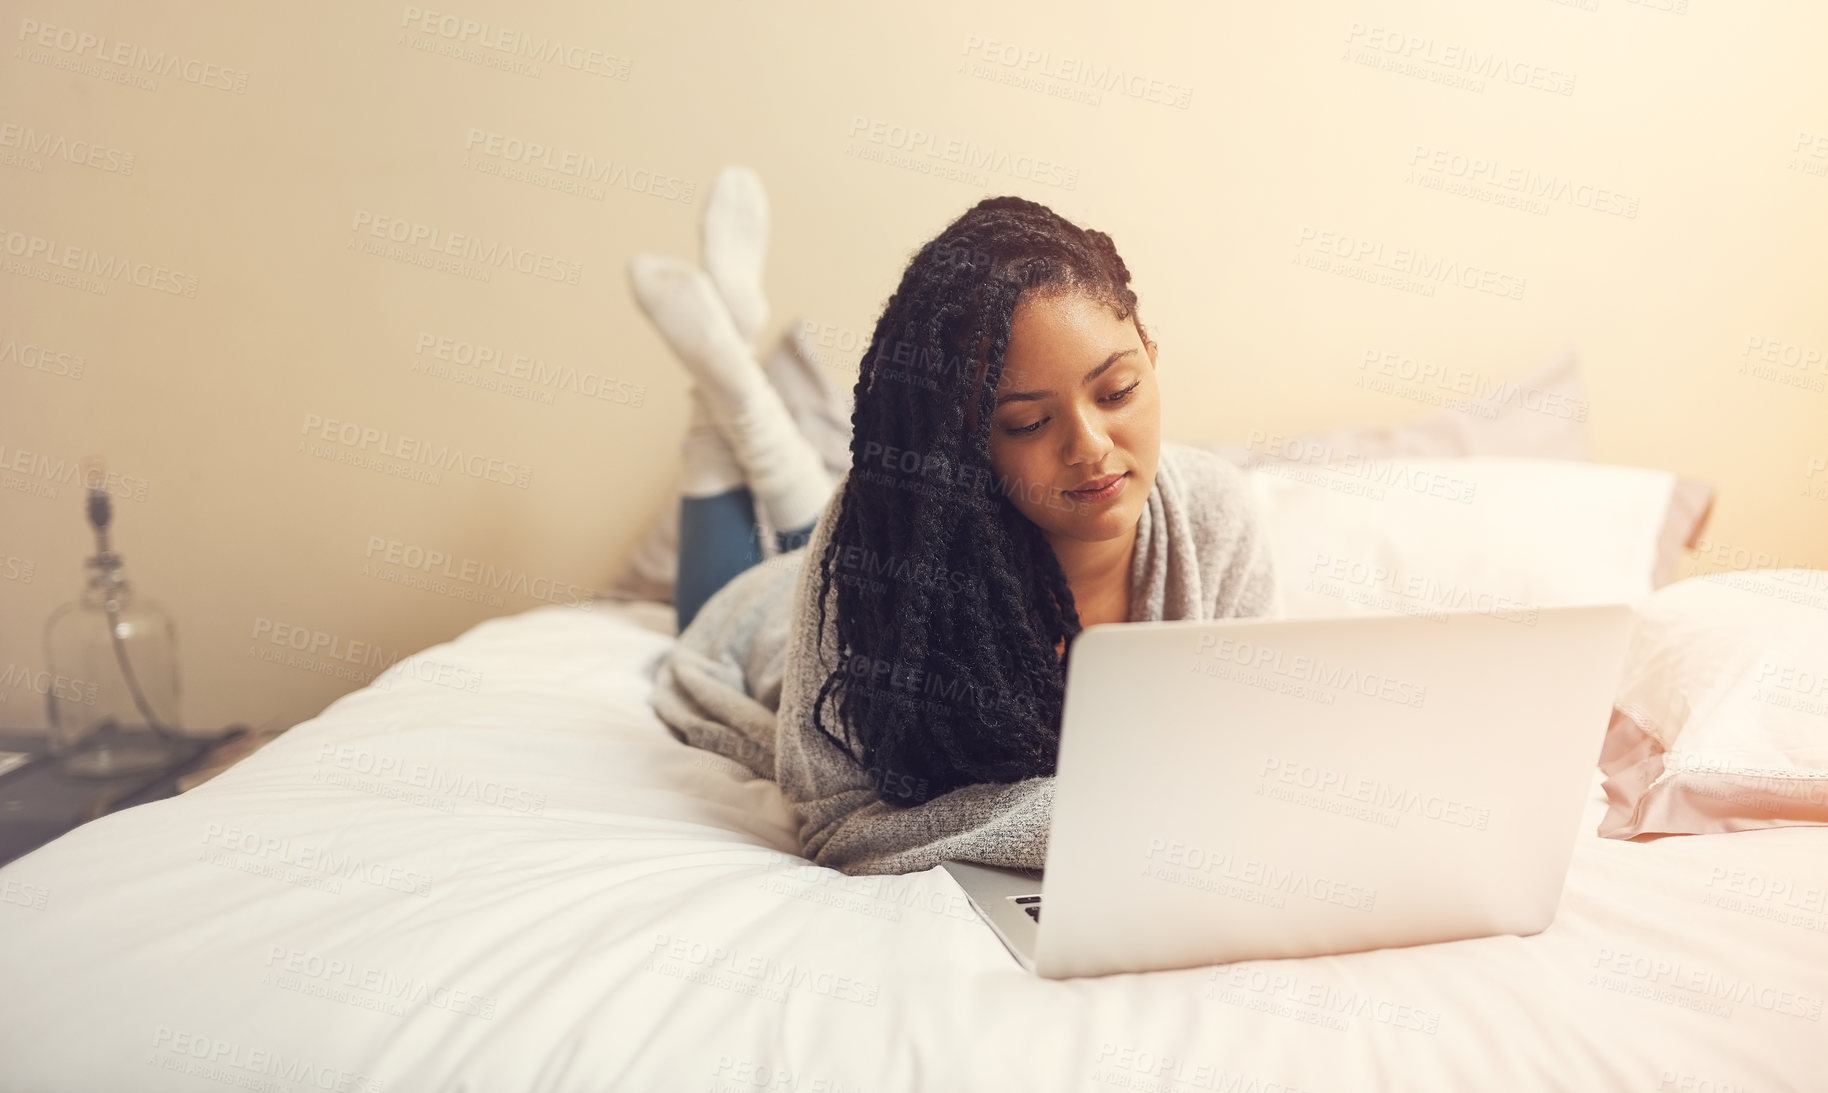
(784, 471)
(735, 242)
(684, 306)
(789, 479)
(707, 466)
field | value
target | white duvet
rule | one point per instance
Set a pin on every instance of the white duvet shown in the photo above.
(499, 872)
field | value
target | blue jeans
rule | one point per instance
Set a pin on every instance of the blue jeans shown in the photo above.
(718, 540)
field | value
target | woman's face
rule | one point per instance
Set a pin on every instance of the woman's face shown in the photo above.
(1077, 402)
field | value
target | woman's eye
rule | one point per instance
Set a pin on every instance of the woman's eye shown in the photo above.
(1114, 397)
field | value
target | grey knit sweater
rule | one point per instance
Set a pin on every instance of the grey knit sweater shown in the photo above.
(742, 678)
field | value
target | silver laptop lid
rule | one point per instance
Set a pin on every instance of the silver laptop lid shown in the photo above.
(1249, 788)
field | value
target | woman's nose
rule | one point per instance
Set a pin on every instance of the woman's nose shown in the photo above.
(1088, 440)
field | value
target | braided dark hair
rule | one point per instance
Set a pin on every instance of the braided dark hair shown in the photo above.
(947, 672)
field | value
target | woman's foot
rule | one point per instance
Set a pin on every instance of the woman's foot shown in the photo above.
(735, 243)
(786, 474)
(684, 306)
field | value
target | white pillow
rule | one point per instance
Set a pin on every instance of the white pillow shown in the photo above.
(1722, 716)
(1497, 535)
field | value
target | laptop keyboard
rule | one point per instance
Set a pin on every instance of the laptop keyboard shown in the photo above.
(1031, 904)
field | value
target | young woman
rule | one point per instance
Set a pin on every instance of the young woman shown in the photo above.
(900, 674)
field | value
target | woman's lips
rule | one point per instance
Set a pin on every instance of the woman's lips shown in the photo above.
(1094, 497)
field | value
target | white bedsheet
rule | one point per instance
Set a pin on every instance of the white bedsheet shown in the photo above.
(533, 886)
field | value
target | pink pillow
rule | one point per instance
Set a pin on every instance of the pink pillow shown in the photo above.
(1721, 722)
(1541, 415)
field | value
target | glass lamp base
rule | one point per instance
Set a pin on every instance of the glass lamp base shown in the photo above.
(110, 753)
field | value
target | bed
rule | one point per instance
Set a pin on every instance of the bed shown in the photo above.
(496, 870)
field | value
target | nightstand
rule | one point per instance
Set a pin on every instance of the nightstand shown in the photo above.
(39, 802)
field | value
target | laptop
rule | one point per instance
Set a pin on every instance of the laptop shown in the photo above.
(1250, 788)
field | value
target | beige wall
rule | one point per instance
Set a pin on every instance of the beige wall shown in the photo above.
(1692, 235)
